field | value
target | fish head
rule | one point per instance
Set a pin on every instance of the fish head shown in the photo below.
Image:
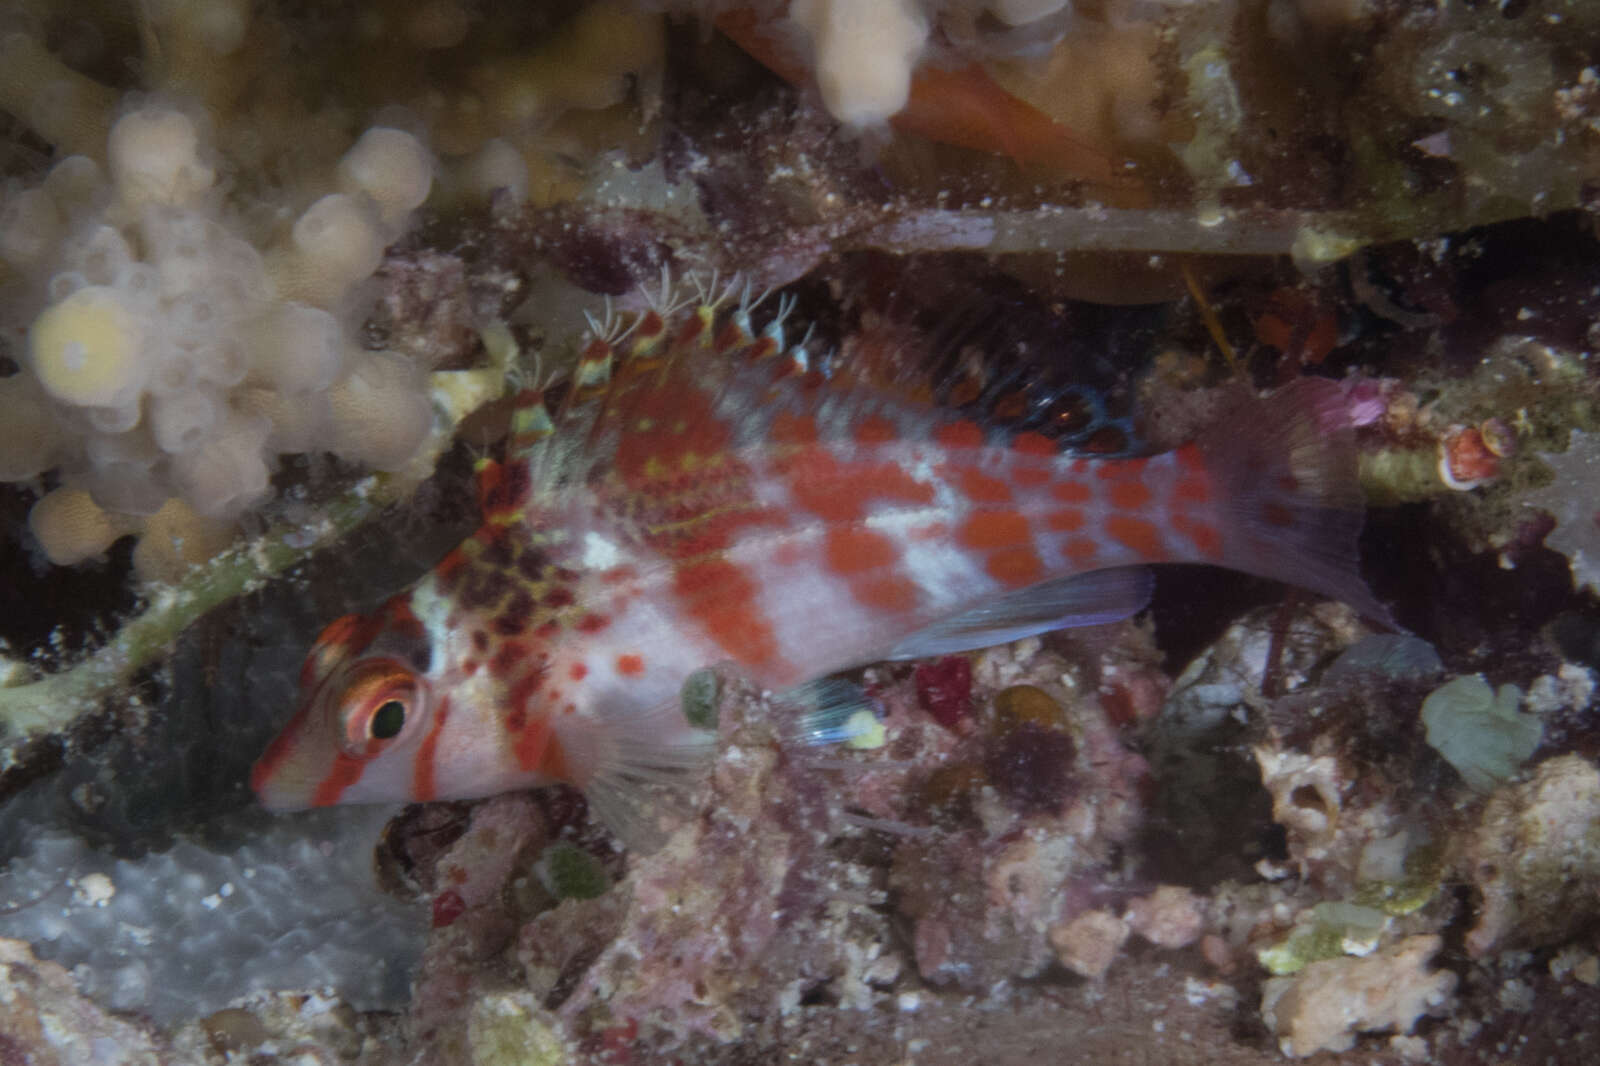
(367, 705)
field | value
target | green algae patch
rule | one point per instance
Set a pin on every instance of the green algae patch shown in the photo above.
(511, 1030)
(1329, 931)
(570, 872)
(1480, 732)
(1424, 868)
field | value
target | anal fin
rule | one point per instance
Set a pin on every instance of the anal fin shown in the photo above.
(1091, 599)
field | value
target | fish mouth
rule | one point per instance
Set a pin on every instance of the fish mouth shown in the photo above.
(280, 778)
(275, 790)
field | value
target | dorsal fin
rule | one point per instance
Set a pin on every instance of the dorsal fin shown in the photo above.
(692, 375)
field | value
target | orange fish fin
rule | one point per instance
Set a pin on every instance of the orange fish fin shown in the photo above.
(1286, 477)
(1090, 599)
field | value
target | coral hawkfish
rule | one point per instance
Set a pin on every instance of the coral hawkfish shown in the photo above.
(699, 496)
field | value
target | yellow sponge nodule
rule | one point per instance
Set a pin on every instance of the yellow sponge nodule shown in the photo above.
(87, 349)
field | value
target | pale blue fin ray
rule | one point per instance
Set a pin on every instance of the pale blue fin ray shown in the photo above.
(1091, 599)
(830, 711)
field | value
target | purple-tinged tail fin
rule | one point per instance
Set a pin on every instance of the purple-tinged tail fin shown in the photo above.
(1286, 471)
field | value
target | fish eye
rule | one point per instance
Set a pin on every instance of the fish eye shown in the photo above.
(377, 703)
(387, 721)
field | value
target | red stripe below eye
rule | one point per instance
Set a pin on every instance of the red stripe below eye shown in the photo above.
(271, 759)
(346, 771)
(424, 774)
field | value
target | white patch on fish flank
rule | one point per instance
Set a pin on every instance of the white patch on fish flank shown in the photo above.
(433, 611)
(600, 553)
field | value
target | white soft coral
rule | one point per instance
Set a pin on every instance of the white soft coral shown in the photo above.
(865, 53)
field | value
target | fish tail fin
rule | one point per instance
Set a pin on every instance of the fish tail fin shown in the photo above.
(1286, 474)
(638, 770)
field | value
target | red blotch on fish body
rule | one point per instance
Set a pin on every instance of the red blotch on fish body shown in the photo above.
(1080, 551)
(793, 429)
(1031, 443)
(447, 907)
(1137, 535)
(1071, 492)
(715, 531)
(978, 486)
(875, 429)
(1031, 475)
(838, 491)
(630, 665)
(1129, 495)
(963, 434)
(680, 422)
(944, 690)
(1014, 566)
(1202, 534)
(510, 656)
(1066, 520)
(592, 623)
(577, 671)
(723, 599)
(850, 550)
(993, 529)
(886, 593)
